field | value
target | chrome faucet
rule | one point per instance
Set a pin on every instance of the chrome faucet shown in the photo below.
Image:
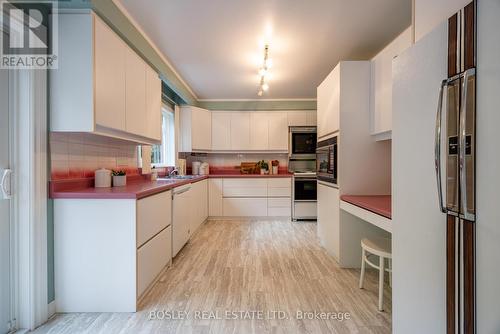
(174, 171)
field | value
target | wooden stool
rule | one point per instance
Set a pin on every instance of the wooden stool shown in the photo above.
(380, 247)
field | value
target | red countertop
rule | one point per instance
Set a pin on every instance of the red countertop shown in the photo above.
(379, 204)
(137, 186)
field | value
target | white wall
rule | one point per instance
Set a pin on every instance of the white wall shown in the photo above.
(430, 13)
(488, 167)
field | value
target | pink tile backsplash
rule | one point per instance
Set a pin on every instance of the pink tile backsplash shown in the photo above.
(78, 155)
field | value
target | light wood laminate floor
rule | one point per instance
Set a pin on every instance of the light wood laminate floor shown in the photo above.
(256, 265)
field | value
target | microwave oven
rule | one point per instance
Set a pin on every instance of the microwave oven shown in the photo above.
(326, 160)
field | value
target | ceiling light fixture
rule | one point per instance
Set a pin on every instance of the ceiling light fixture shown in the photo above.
(264, 71)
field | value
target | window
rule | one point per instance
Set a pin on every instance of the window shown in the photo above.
(164, 154)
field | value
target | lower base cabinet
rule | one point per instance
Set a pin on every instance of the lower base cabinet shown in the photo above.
(245, 207)
(329, 218)
(151, 259)
(108, 252)
(250, 197)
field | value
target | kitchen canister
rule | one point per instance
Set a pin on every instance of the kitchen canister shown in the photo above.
(195, 168)
(204, 169)
(102, 178)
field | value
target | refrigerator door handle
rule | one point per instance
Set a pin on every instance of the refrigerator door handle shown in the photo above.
(437, 146)
(463, 142)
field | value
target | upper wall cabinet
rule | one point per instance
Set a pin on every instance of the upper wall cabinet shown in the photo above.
(102, 85)
(302, 118)
(196, 129)
(381, 86)
(240, 131)
(221, 131)
(329, 104)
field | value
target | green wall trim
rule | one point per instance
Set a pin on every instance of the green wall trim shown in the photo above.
(259, 105)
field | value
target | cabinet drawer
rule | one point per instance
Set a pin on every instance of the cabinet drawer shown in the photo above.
(244, 188)
(245, 207)
(154, 213)
(279, 212)
(279, 192)
(282, 182)
(279, 202)
(152, 257)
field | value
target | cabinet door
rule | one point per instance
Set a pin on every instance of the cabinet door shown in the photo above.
(311, 118)
(259, 131)
(297, 118)
(201, 126)
(153, 104)
(221, 131)
(204, 200)
(328, 219)
(278, 132)
(329, 103)
(136, 120)
(109, 70)
(240, 131)
(215, 197)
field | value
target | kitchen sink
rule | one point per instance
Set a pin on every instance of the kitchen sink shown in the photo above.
(178, 177)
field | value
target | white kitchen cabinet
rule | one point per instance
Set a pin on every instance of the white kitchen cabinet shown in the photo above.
(245, 207)
(110, 64)
(199, 204)
(381, 85)
(108, 252)
(152, 257)
(297, 118)
(328, 100)
(135, 97)
(302, 118)
(240, 131)
(278, 131)
(154, 213)
(279, 187)
(242, 187)
(196, 129)
(311, 118)
(259, 131)
(328, 218)
(215, 197)
(279, 207)
(221, 131)
(153, 104)
(109, 92)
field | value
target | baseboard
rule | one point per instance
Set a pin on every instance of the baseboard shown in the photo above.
(51, 309)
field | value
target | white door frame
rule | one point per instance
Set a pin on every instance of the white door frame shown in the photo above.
(29, 163)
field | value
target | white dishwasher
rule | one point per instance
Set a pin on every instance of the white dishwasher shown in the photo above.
(181, 217)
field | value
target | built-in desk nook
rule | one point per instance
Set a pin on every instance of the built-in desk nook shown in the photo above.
(374, 209)
(361, 216)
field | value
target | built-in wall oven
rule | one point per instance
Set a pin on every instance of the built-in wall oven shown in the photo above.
(304, 196)
(326, 160)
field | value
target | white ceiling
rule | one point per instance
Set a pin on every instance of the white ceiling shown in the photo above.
(217, 46)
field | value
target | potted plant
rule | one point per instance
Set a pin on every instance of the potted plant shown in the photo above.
(119, 178)
(275, 164)
(264, 167)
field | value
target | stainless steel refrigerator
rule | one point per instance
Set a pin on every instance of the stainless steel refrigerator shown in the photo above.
(455, 134)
